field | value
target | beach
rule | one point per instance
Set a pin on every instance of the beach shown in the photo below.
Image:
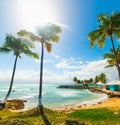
(110, 103)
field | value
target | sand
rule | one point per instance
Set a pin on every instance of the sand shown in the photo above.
(110, 103)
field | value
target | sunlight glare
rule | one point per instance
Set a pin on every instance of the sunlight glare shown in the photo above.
(33, 13)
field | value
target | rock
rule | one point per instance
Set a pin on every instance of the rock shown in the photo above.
(15, 104)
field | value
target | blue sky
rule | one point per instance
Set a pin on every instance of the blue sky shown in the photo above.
(70, 57)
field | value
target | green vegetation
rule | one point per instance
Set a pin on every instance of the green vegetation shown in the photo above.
(109, 26)
(89, 116)
(101, 77)
(111, 58)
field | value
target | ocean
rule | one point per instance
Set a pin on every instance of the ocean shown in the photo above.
(52, 97)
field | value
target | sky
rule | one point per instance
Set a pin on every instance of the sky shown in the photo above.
(72, 55)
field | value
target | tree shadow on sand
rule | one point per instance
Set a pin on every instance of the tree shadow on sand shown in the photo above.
(44, 117)
(69, 122)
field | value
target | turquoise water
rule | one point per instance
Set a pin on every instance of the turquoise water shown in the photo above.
(52, 97)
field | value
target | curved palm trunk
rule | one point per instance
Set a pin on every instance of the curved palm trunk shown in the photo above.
(117, 63)
(40, 83)
(11, 84)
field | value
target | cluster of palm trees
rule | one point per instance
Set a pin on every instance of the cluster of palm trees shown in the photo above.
(85, 81)
(101, 77)
(23, 44)
(109, 27)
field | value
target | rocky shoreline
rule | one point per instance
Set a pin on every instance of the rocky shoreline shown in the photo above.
(15, 104)
(72, 87)
(94, 90)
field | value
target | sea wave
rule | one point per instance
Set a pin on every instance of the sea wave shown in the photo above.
(3, 90)
(29, 96)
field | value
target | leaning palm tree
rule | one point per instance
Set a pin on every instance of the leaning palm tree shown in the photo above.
(111, 58)
(17, 46)
(109, 26)
(45, 35)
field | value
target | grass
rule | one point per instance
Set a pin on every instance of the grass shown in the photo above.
(101, 116)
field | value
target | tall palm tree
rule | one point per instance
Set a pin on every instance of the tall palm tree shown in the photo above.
(111, 58)
(109, 26)
(45, 35)
(17, 46)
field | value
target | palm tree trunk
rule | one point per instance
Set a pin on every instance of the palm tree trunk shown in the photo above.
(12, 79)
(117, 63)
(40, 83)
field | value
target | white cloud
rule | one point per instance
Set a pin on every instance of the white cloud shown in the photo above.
(91, 69)
(86, 71)
(45, 61)
(70, 63)
(56, 56)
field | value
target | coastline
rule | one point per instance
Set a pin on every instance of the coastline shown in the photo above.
(106, 101)
(110, 103)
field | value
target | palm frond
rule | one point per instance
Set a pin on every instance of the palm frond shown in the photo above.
(94, 36)
(108, 56)
(109, 66)
(48, 46)
(50, 32)
(4, 50)
(31, 54)
(31, 36)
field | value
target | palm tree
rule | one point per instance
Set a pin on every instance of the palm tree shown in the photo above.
(103, 78)
(45, 35)
(17, 46)
(97, 79)
(111, 58)
(75, 79)
(109, 26)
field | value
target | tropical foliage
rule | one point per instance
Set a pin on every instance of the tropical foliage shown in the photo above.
(46, 35)
(111, 58)
(109, 26)
(101, 77)
(17, 46)
(75, 79)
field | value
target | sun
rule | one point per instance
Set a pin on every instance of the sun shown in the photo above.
(32, 13)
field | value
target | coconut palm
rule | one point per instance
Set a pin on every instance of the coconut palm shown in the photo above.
(75, 79)
(111, 58)
(109, 26)
(45, 35)
(17, 46)
(97, 79)
(103, 78)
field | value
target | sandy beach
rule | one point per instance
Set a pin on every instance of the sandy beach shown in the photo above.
(111, 103)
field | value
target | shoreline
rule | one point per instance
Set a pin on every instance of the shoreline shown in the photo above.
(110, 103)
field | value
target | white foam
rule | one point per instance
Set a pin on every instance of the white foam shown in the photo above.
(3, 90)
(67, 93)
(29, 96)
